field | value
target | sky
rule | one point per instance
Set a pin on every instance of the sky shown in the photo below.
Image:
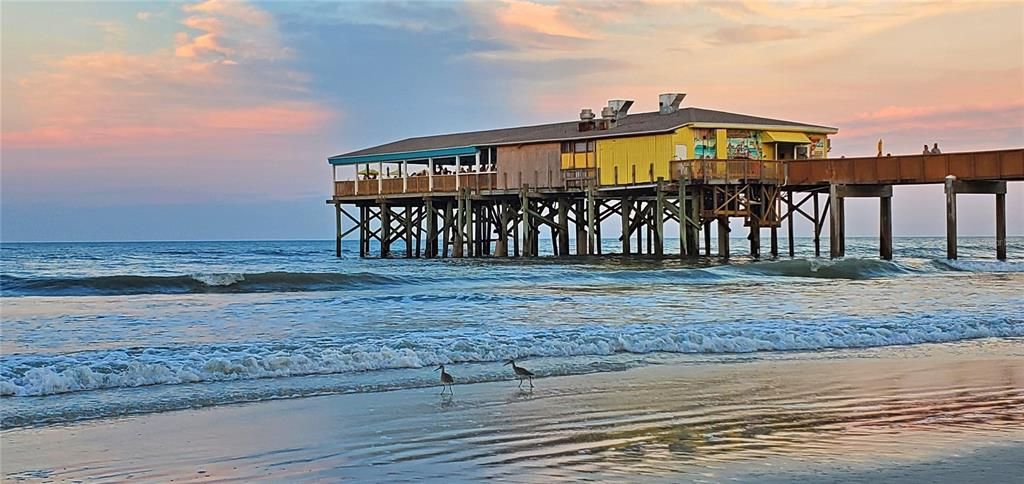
(213, 119)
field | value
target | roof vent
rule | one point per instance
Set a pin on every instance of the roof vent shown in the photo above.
(607, 112)
(586, 114)
(668, 103)
(619, 108)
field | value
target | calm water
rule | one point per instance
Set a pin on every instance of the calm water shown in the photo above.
(96, 330)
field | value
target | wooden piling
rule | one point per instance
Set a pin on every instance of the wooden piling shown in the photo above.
(563, 226)
(1001, 226)
(885, 228)
(791, 216)
(950, 188)
(817, 228)
(755, 239)
(723, 237)
(626, 206)
(659, 219)
(337, 225)
(835, 228)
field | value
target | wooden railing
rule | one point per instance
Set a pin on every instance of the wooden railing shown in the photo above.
(416, 184)
(908, 169)
(729, 171)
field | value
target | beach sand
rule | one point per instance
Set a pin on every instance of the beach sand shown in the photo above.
(951, 412)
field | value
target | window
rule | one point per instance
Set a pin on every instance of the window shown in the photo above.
(581, 147)
(566, 147)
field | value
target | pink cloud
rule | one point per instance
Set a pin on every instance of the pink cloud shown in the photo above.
(196, 90)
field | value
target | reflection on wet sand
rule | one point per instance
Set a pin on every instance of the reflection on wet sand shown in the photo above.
(652, 422)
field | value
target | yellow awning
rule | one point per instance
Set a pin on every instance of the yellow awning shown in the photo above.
(784, 137)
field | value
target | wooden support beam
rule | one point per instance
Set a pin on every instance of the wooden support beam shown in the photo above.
(817, 228)
(707, 238)
(408, 229)
(337, 229)
(863, 191)
(431, 229)
(950, 217)
(885, 228)
(684, 227)
(723, 237)
(836, 243)
(563, 227)
(592, 236)
(789, 228)
(582, 234)
(775, 242)
(1001, 226)
(755, 238)
(626, 207)
(980, 187)
(362, 231)
(659, 219)
(385, 238)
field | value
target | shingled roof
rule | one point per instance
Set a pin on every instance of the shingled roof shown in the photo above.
(633, 124)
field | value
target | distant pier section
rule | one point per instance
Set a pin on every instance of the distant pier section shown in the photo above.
(493, 193)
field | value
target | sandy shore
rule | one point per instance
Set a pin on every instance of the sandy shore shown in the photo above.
(941, 412)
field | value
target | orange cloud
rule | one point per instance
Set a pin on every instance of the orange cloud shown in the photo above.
(548, 19)
(193, 90)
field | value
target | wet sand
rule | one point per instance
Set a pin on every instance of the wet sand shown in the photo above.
(900, 414)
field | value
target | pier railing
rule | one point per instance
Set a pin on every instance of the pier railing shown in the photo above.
(416, 184)
(730, 171)
(909, 169)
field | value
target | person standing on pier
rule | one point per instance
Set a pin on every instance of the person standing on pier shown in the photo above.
(926, 150)
(935, 149)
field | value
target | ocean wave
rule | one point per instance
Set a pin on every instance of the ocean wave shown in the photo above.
(980, 265)
(194, 283)
(848, 268)
(36, 375)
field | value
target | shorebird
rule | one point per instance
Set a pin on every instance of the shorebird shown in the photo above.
(446, 380)
(521, 373)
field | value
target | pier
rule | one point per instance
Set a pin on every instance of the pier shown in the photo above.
(494, 193)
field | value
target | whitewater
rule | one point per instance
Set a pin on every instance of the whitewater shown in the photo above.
(95, 330)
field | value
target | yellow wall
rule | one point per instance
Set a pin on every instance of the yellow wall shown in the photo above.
(640, 152)
(578, 160)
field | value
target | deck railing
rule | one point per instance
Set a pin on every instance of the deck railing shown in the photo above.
(729, 171)
(416, 184)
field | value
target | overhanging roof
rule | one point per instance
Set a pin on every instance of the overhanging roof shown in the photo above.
(631, 125)
(404, 155)
(785, 137)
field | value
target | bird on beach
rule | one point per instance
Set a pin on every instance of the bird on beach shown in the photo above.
(521, 373)
(446, 380)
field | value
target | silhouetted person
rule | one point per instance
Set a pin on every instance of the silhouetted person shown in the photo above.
(926, 150)
(935, 149)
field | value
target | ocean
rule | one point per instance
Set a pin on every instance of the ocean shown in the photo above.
(100, 330)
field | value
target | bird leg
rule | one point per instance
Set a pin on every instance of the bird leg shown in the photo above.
(531, 381)
(520, 382)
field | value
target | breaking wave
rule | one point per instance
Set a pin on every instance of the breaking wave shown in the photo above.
(850, 268)
(195, 283)
(35, 375)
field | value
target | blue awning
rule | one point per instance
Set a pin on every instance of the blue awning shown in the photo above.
(407, 155)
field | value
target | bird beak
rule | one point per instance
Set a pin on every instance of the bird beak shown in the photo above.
(507, 363)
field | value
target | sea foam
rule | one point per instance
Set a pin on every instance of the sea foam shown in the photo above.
(33, 375)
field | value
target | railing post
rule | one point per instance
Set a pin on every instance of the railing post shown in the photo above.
(405, 176)
(457, 164)
(430, 174)
(380, 177)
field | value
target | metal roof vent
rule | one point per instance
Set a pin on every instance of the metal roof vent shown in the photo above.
(607, 112)
(586, 114)
(668, 103)
(619, 107)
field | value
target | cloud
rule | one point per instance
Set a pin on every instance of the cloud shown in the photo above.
(144, 16)
(747, 34)
(229, 80)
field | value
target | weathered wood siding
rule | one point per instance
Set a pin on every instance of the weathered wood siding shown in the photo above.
(536, 165)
